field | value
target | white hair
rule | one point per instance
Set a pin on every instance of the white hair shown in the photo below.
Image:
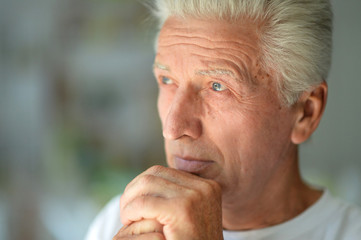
(295, 35)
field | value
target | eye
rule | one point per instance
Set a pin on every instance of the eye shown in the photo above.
(216, 86)
(166, 80)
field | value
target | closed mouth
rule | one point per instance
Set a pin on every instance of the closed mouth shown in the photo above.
(191, 165)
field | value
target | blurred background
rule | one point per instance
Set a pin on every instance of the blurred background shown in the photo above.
(78, 115)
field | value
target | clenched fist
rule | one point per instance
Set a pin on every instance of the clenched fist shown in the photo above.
(165, 203)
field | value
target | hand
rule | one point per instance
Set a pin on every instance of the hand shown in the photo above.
(144, 229)
(187, 206)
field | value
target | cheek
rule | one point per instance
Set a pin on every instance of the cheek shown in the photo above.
(215, 107)
(229, 128)
(246, 133)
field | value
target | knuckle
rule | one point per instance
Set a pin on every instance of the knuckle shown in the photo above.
(156, 169)
(205, 188)
(128, 213)
(213, 188)
(193, 197)
(191, 193)
(140, 202)
(146, 179)
(184, 205)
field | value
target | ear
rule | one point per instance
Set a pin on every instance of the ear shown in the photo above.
(309, 111)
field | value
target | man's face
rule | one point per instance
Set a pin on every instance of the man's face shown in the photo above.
(221, 115)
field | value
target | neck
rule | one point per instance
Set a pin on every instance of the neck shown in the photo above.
(283, 197)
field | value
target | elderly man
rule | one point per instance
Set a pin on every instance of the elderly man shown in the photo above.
(241, 84)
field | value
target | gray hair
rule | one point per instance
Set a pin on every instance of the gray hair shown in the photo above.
(295, 36)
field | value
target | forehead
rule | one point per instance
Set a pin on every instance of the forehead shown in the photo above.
(208, 42)
(240, 31)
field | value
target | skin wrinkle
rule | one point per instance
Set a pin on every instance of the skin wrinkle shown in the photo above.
(240, 73)
(241, 67)
(206, 72)
(235, 44)
(212, 49)
(238, 76)
(217, 34)
(239, 48)
(243, 74)
(245, 99)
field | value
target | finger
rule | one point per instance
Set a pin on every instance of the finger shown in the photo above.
(173, 175)
(151, 185)
(149, 207)
(160, 187)
(179, 216)
(146, 236)
(142, 229)
(181, 179)
(143, 226)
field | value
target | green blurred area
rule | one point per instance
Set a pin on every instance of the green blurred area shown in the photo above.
(78, 116)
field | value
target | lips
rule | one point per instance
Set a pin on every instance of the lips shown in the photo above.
(190, 165)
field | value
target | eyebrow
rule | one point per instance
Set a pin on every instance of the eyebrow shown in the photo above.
(215, 72)
(161, 66)
(203, 72)
(237, 72)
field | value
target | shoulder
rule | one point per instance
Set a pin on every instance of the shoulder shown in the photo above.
(328, 219)
(344, 221)
(107, 223)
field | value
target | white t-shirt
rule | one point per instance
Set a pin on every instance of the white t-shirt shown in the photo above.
(328, 219)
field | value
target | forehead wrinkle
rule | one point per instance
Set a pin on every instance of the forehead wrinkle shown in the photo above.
(183, 39)
(233, 46)
(225, 51)
(236, 55)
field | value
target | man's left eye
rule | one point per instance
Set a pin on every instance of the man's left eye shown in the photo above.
(166, 80)
(216, 86)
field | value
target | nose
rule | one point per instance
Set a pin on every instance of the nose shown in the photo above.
(183, 116)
